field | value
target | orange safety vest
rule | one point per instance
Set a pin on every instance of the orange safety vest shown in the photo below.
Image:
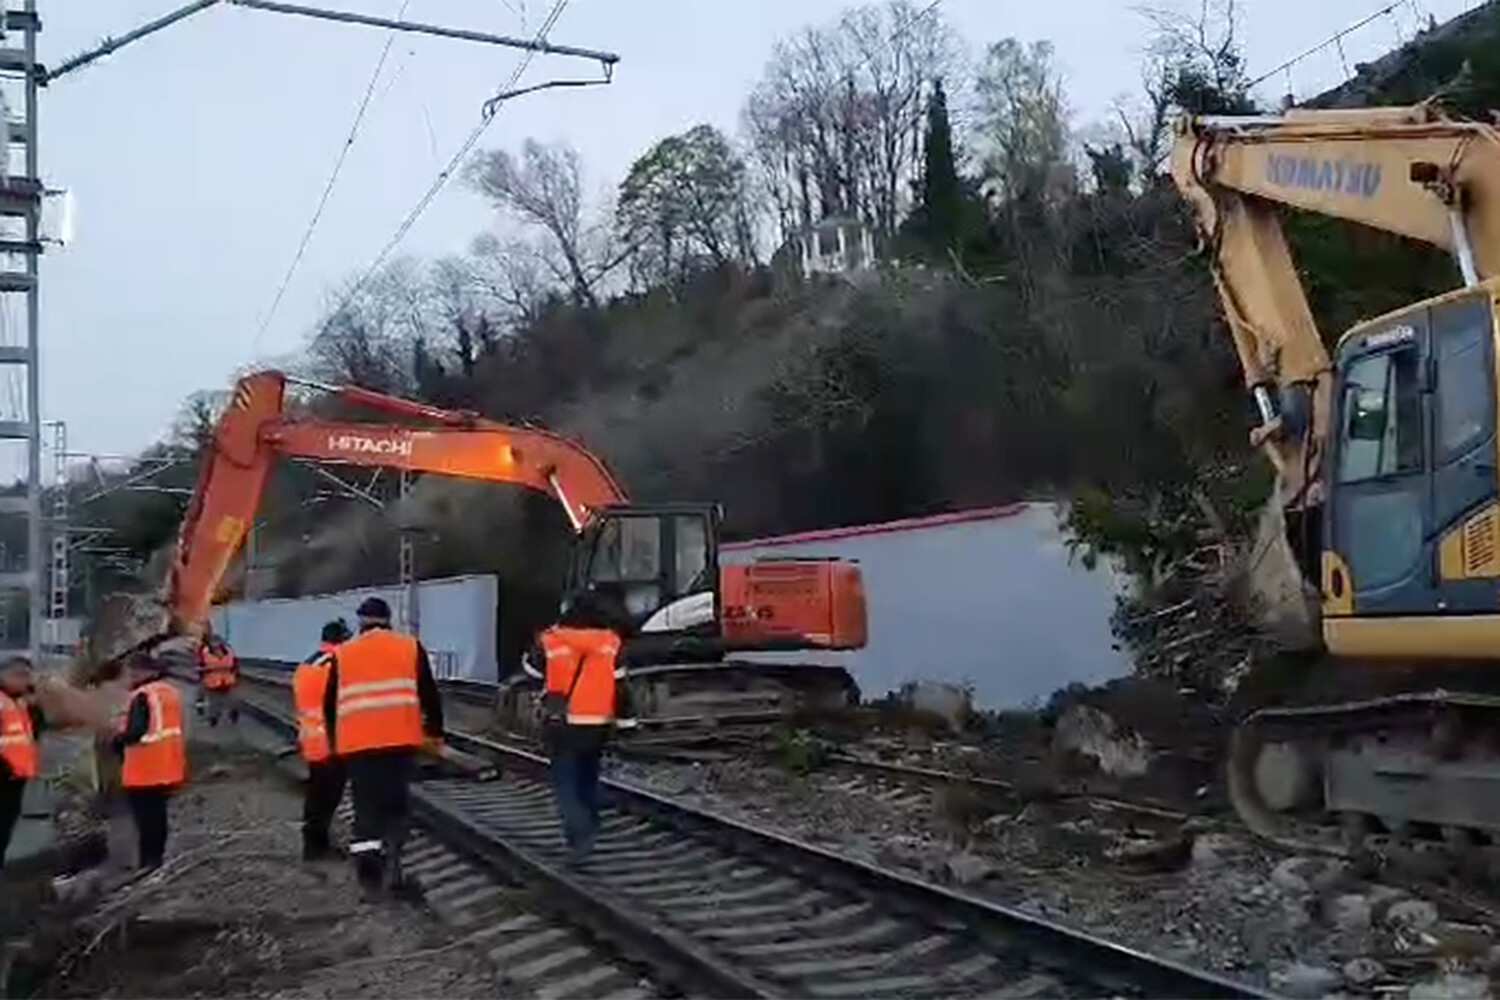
(159, 759)
(377, 699)
(309, 683)
(218, 670)
(17, 743)
(592, 651)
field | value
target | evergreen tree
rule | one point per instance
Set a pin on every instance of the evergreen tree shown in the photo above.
(941, 206)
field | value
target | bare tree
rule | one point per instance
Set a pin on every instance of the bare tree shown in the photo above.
(193, 427)
(367, 337)
(835, 125)
(1023, 127)
(543, 188)
(684, 202)
(512, 277)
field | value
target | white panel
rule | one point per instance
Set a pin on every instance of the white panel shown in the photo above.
(458, 617)
(994, 603)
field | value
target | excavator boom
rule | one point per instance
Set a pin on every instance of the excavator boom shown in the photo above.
(1407, 171)
(255, 429)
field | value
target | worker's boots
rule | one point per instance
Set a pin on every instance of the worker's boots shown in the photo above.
(395, 873)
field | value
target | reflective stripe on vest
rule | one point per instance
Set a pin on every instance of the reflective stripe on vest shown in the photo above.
(594, 652)
(218, 670)
(377, 701)
(309, 683)
(160, 757)
(17, 742)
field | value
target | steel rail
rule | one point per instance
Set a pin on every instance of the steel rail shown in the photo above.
(677, 829)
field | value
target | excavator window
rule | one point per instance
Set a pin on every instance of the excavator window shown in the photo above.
(628, 555)
(1382, 416)
(692, 566)
(1465, 407)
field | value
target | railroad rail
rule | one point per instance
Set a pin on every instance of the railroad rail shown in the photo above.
(721, 907)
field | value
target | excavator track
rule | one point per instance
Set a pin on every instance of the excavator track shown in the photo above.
(704, 696)
(1409, 778)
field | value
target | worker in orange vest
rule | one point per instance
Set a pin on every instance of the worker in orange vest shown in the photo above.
(325, 773)
(20, 724)
(381, 707)
(582, 657)
(218, 673)
(152, 744)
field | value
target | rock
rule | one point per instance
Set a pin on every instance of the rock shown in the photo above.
(1305, 875)
(1451, 986)
(948, 702)
(1412, 915)
(967, 869)
(1091, 733)
(1167, 854)
(1209, 849)
(1362, 971)
(1454, 938)
(1350, 912)
(1302, 980)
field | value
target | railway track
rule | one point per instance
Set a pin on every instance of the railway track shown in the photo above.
(718, 907)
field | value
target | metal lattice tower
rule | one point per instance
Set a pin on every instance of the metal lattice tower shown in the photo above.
(59, 577)
(21, 200)
(411, 616)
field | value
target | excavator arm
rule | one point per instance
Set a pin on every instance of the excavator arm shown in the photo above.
(255, 429)
(1405, 170)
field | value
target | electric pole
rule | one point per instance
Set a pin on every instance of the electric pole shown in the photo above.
(21, 200)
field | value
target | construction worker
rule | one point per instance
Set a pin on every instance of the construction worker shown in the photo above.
(381, 707)
(218, 673)
(582, 658)
(154, 753)
(325, 773)
(20, 724)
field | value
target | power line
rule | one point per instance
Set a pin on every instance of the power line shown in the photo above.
(1330, 40)
(491, 108)
(333, 177)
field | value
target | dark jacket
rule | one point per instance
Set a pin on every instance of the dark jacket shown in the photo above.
(137, 722)
(427, 695)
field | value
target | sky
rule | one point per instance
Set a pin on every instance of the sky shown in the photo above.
(196, 157)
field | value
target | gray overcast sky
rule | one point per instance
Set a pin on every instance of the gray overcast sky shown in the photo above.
(197, 156)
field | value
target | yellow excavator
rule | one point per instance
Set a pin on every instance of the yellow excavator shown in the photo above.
(1387, 492)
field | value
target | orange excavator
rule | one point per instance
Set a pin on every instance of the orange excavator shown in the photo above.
(683, 614)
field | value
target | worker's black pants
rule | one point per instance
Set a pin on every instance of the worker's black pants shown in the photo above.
(575, 753)
(148, 806)
(378, 781)
(11, 792)
(325, 786)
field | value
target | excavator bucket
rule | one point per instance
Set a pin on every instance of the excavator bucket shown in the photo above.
(1285, 602)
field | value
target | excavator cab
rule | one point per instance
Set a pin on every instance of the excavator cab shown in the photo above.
(657, 564)
(1412, 512)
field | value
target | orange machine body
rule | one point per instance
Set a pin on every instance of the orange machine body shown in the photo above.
(819, 601)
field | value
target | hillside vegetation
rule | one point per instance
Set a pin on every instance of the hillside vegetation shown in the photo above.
(1040, 323)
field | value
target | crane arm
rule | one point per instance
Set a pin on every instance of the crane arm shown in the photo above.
(1407, 171)
(254, 430)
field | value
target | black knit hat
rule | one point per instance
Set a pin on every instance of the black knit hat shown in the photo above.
(335, 631)
(374, 608)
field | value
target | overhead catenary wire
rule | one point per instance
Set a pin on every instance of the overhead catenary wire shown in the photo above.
(333, 177)
(490, 109)
(1335, 39)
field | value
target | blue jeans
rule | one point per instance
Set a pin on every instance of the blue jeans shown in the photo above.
(575, 783)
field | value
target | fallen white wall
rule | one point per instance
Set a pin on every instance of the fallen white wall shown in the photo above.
(987, 598)
(457, 617)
